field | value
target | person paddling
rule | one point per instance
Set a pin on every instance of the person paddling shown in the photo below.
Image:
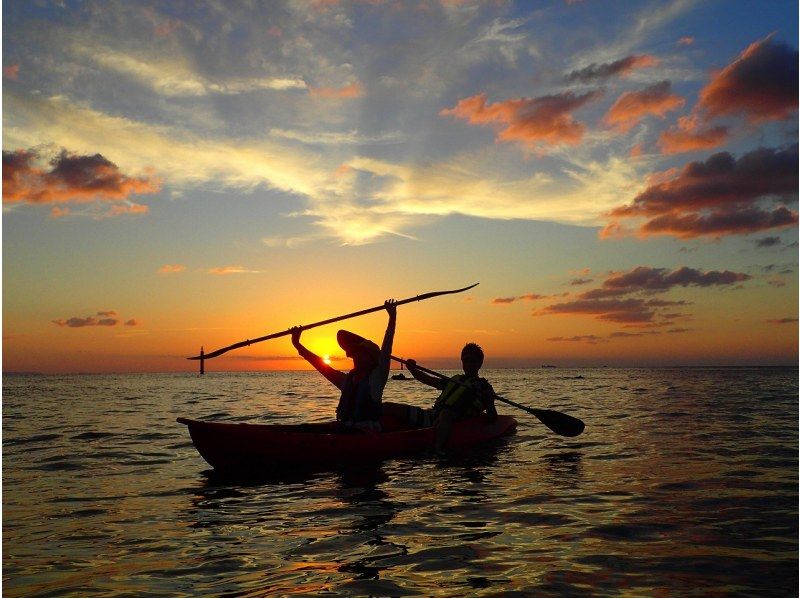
(362, 387)
(455, 403)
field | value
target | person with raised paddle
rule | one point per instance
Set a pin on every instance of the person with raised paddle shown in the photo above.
(362, 387)
(463, 396)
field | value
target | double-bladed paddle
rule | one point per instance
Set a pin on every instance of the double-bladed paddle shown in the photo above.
(558, 422)
(248, 342)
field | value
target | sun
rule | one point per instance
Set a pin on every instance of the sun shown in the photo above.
(326, 359)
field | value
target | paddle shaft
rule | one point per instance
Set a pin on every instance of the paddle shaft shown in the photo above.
(248, 342)
(560, 423)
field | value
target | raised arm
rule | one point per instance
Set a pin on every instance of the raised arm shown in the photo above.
(388, 337)
(438, 383)
(336, 377)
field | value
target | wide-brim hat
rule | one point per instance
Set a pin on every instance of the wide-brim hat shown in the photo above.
(353, 343)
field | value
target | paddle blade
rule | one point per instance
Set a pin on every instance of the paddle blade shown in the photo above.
(560, 423)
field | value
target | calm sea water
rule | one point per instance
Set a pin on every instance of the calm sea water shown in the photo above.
(685, 482)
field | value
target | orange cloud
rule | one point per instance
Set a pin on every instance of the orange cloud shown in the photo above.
(71, 178)
(623, 67)
(132, 208)
(223, 270)
(348, 92)
(11, 71)
(171, 268)
(686, 41)
(59, 212)
(532, 121)
(687, 136)
(761, 84)
(632, 106)
(720, 196)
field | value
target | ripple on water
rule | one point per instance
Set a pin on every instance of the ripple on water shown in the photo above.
(685, 480)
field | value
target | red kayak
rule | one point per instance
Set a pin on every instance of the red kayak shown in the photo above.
(237, 446)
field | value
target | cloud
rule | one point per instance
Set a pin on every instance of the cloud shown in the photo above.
(404, 194)
(348, 92)
(768, 242)
(172, 77)
(101, 318)
(720, 196)
(88, 321)
(689, 136)
(783, 321)
(224, 270)
(645, 278)
(632, 106)
(585, 338)
(70, 178)
(623, 66)
(11, 72)
(612, 301)
(528, 297)
(611, 310)
(761, 84)
(532, 121)
(686, 41)
(171, 269)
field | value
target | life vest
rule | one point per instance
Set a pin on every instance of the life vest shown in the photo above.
(356, 402)
(466, 402)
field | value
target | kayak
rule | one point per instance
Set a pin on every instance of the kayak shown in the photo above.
(237, 446)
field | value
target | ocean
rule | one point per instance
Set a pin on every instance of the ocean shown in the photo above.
(684, 483)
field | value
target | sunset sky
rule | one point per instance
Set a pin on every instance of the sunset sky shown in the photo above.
(621, 177)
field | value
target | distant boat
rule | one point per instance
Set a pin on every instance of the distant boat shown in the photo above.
(547, 365)
(401, 375)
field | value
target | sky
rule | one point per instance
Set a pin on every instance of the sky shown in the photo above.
(621, 178)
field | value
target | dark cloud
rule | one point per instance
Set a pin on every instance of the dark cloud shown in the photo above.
(768, 242)
(580, 281)
(720, 196)
(528, 297)
(101, 318)
(70, 177)
(586, 338)
(545, 120)
(761, 84)
(783, 321)
(600, 72)
(612, 310)
(613, 301)
(83, 322)
(645, 278)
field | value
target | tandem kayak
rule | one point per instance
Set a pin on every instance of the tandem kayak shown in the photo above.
(237, 446)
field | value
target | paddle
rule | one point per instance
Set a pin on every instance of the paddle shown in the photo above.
(248, 342)
(558, 422)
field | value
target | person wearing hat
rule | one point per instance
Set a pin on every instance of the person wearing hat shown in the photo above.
(362, 387)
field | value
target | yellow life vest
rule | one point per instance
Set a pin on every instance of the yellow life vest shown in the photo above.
(453, 396)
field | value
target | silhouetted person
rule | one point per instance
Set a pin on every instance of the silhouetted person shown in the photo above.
(362, 387)
(455, 403)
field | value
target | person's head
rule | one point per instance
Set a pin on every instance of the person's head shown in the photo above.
(362, 351)
(471, 359)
